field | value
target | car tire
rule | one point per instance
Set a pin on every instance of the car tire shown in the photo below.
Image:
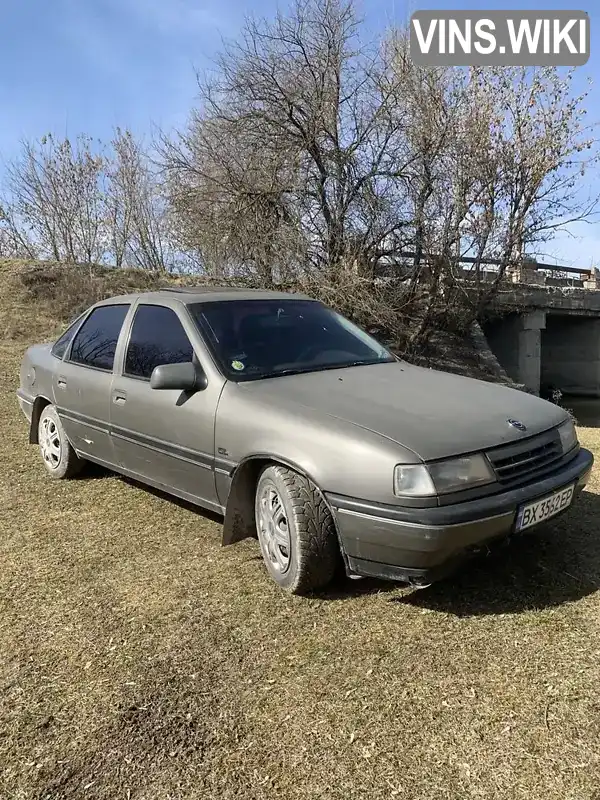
(295, 530)
(58, 456)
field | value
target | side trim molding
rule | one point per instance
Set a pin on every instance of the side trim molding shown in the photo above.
(190, 456)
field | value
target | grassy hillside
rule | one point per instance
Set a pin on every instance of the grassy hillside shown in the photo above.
(140, 661)
(38, 298)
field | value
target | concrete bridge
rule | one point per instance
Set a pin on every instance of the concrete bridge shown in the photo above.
(547, 330)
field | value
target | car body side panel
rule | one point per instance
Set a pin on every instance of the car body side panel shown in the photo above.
(37, 369)
(167, 437)
(35, 385)
(82, 397)
(330, 451)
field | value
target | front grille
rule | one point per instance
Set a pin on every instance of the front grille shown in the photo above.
(524, 461)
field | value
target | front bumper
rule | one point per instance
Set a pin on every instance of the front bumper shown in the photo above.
(420, 545)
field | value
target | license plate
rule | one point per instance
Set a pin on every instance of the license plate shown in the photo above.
(543, 509)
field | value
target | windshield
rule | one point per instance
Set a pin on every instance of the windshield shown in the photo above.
(253, 339)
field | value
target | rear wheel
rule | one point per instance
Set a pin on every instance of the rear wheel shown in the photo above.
(295, 530)
(58, 456)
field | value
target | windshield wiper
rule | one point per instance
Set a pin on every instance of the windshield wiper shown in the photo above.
(320, 368)
(280, 372)
(357, 363)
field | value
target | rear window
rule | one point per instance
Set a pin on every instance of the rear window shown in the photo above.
(95, 344)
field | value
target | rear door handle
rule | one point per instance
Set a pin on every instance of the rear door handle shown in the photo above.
(62, 382)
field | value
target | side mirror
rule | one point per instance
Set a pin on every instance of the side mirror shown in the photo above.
(186, 377)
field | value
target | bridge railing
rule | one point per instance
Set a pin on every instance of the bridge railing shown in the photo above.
(528, 271)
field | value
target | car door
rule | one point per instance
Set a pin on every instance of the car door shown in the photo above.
(164, 436)
(82, 382)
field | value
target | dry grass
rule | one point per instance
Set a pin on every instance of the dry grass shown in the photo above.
(139, 660)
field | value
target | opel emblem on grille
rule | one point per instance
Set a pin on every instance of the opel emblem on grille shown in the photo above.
(516, 424)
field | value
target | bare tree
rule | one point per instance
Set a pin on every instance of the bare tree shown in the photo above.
(118, 200)
(294, 152)
(135, 209)
(14, 239)
(497, 156)
(230, 202)
(56, 196)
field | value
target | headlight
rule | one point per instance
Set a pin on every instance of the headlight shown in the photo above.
(568, 436)
(418, 480)
(461, 473)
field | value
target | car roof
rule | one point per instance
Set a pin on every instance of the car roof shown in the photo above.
(202, 294)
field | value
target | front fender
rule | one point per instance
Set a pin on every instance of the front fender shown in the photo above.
(337, 456)
(240, 520)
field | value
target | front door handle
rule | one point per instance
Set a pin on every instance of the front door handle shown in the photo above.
(119, 397)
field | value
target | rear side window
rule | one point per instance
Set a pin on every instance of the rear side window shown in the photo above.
(157, 337)
(96, 341)
(62, 343)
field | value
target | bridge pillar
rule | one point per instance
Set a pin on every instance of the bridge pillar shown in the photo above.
(529, 353)
(571, 354)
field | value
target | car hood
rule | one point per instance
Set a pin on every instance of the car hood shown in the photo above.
(435, 414)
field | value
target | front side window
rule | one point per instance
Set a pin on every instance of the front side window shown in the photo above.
(253, 339)
(60, 346)
(96, 341)
(157, 337)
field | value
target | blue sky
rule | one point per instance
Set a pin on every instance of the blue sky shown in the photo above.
(85, 66)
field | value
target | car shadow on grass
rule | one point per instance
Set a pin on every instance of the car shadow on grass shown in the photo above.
(200, 511)
(344, 588)
(559, 564)
(96, 472)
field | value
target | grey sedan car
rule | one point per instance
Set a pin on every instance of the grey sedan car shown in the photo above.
(302, 430)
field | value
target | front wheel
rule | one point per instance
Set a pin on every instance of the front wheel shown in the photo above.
(295, 530)
(59, 457)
